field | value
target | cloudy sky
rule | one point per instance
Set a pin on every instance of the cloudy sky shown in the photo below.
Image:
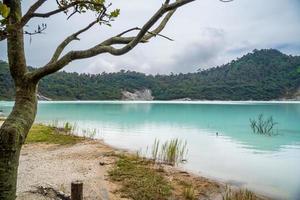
(206, 33)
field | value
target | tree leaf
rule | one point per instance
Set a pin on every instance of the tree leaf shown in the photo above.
(4, 10)
(115, 13)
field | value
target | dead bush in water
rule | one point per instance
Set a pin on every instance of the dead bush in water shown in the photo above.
(263, 126)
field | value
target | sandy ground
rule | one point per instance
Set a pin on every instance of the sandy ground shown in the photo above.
(57, 166)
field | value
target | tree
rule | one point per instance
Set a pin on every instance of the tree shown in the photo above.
(14, 130)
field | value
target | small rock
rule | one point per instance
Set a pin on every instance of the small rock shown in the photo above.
(102, 163)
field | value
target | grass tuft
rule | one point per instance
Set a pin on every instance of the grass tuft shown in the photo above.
(171, 152)
(241, 194)
(71, 128)
(189, 193)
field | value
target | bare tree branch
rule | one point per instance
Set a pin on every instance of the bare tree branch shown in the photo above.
(69, 39)
(32, 14)
(106, 46)
(161, 26)
(40, 29)
(75, 35)
(149, 32)
(226, 1)
(25, 18)
(3, 35)
(123, 40)
(156, 31)
(31, 10)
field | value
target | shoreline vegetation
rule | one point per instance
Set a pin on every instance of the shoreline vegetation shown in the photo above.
(56, 157)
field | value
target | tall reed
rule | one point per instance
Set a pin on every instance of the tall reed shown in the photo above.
(241, 194)
(171, 152)
(189, 193)
(73, 129)
(155, 149)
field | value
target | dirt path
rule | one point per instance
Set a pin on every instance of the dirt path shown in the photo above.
(56, 166)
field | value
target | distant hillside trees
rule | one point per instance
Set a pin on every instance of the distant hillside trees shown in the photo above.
(260, 75)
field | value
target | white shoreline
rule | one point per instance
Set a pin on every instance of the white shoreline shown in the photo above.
(170, 102)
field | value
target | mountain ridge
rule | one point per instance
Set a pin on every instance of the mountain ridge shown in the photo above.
(265, 74)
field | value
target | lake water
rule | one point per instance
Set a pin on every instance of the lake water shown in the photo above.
(269, 165)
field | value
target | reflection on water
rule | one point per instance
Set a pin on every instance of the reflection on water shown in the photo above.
(266, 164)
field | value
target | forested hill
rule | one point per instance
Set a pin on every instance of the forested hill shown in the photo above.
(260, 75)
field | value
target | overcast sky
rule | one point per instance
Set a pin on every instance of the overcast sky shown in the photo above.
(206, 33)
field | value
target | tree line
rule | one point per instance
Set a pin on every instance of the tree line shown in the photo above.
(260, 75)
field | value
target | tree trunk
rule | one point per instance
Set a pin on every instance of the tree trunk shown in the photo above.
(12, 135)
(15, 129)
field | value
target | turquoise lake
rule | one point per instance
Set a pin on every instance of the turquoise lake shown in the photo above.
(268, 165)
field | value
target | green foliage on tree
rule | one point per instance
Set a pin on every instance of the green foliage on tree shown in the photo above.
(4, 10)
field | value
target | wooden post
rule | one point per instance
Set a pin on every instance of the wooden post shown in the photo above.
(77, 190)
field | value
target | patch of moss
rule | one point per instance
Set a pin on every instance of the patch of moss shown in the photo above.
(45, 134)
(139, 181)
